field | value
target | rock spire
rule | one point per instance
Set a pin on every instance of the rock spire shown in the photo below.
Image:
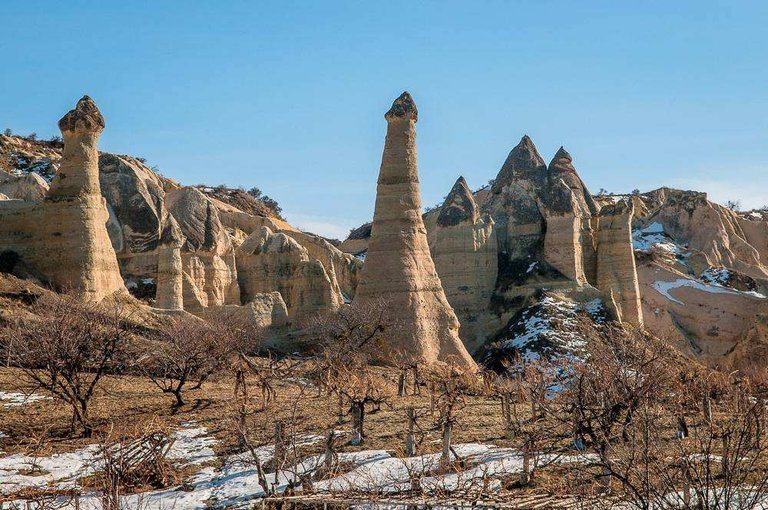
(399, 267)
(85, 260)
(524, 163)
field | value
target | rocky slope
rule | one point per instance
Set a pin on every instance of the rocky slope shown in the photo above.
(178, 247)
(514, 266)
(671, 261)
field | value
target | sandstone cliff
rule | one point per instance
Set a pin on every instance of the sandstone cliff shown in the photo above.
(63, 240)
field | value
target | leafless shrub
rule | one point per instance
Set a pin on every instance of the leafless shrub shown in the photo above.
(186, 351)
(450, 385)
(69, 349)
(132, 460)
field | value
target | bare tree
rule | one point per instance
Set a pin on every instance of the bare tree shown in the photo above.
(68, 350)
(186, 351)
(450, 385)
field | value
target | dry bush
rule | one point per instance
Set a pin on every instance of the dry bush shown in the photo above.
(131, 460)
(186, 351)
(68, 350)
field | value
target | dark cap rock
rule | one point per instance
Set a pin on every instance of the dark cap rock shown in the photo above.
(85, 117)
(403, 108)
(459, 205)
(524, 161)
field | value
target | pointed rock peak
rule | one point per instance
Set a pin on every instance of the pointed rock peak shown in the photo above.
(523, 162)
(85, 117)
(459, 205)
(403, 108)
(562, 162)
(563, 154)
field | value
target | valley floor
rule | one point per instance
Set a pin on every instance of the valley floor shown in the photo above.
(209, 468)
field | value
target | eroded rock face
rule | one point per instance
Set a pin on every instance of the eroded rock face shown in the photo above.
(63, 239)
(464, 249)
(208, 257)
(514, 202)
(30, 187)
(268, 261)
(723, 237)
(570, 245)
(170, 269)
(398, 266)
(616, 271)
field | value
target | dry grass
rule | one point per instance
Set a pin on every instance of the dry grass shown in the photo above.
(125, 400)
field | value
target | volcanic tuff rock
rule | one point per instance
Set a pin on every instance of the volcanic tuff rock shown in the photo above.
(170, 268)
(464, 248)
(30, 187)
(268, 261)
(70, 222)
(544, 222)
(398, 266)
(144, 207)
(616, 272)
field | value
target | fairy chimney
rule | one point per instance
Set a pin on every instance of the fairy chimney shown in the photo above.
(398, 266)
(170, 271)
(76, 213)
(616, 271)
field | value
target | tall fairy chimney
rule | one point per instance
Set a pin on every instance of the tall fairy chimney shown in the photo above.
(76, 213)
(398, 265)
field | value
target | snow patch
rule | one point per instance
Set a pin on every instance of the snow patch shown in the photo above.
(663, 288)
(15, 399)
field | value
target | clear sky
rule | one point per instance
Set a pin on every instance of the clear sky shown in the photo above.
(290, 96)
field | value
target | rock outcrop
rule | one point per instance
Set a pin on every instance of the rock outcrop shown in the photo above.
(64, 239)
(616, 271)
(569, 242)
(170, 269)
(208, 257)
(398, 266)
(29, 187)
(464, 248)
(268, 261)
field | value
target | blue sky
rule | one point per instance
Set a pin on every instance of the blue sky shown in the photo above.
(290, 96)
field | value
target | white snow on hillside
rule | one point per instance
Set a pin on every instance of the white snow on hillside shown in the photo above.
(550, 327)
(653, 237)
(663, 287)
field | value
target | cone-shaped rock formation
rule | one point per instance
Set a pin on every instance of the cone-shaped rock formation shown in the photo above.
(463, 245)
(399, 267)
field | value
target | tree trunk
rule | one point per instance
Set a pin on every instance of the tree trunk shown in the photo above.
(706, 405)
(358, 415)
(410, 438)
(525, 476)
(340, 419)
(445, 458)
(330, 457)
(506, 412)
(401, 384)
(279, 447)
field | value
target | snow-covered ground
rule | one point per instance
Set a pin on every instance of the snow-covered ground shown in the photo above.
(15, 399)
(236, 482)
(663, 287)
